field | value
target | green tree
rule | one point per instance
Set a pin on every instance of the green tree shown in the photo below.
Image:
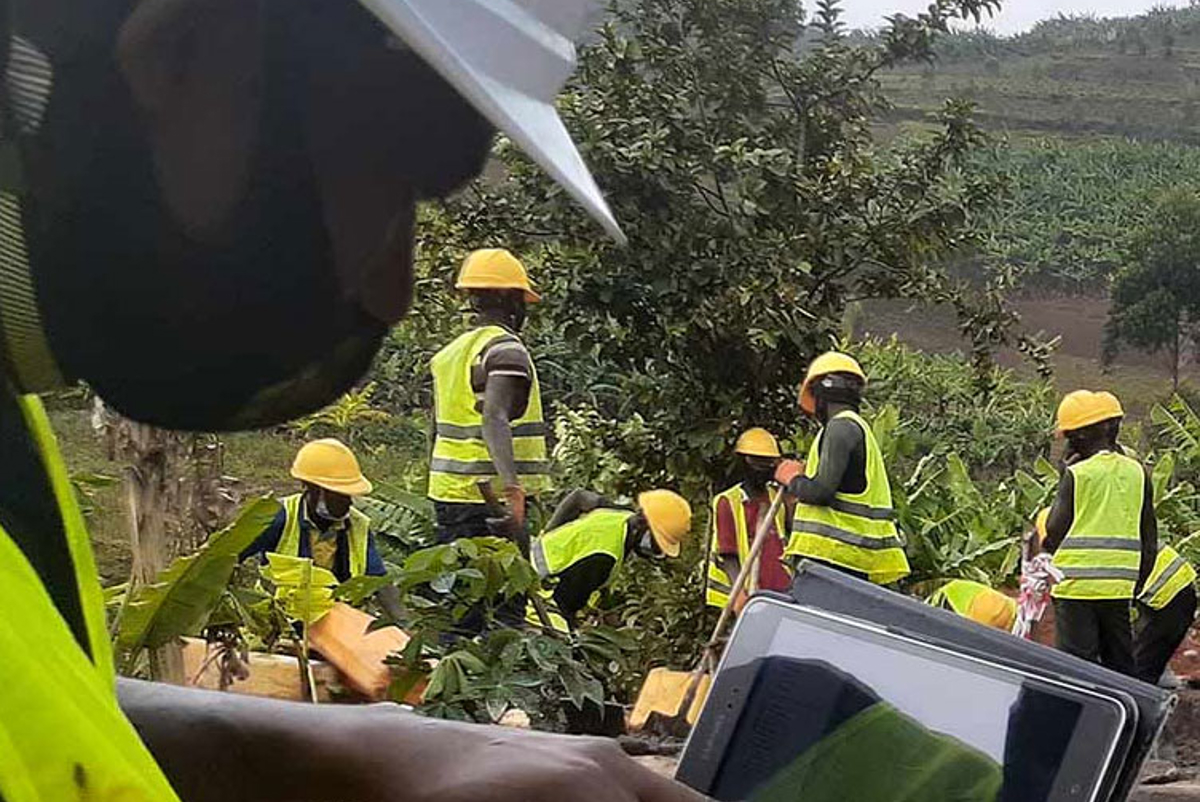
(1156, 297)
(735, 145)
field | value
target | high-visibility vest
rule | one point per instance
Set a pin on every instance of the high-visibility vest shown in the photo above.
(62, 734)
(356, 537)
(1171, 575)
(460, 456)
(1102, 551)
(718, 584)
(961, 595)
(601, 531)
(857, 530)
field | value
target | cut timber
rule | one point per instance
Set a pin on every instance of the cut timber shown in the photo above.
(343, 637)
(276, 676)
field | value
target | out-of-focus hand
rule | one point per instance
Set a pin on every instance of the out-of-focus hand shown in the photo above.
(469, 763)
(787, 470)
(515, 496)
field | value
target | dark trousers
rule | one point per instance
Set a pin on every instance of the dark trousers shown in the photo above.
(1098, 631)
(1158, 633)
(458, 521)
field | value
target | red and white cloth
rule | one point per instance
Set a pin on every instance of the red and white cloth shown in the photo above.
(1038, 577)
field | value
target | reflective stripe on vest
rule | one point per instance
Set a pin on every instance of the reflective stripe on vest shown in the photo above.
(460, 456)
(1101, 553)
(1172, 573)
(718, 584)
(856, 531)
(601, 531)
(356, 537)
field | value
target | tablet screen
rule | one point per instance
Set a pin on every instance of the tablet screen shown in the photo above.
(833, 711)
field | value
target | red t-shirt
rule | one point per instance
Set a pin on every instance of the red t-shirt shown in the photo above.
(772, 575)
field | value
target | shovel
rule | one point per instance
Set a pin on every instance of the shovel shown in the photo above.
(675, 698)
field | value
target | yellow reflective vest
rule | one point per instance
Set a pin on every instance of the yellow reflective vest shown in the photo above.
(62, 734)
(1102, 551)
(961, 595)
(718, 584)
(460, 456)
(856, 531)
(356, 538)
(1171, 575)
(601, 531)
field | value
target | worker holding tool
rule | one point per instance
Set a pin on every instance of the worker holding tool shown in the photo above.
(588, 539)
(487, 405)
(844, 516)
(978, 602)
(1102, 532)
(321, 522)
(1165, 611)
(735, 515)
(216, 234)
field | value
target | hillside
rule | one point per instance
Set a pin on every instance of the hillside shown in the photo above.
(1137, 77)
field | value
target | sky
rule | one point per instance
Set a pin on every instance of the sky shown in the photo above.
(1016, 16)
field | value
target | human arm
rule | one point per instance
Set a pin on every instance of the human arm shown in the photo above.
(577, 503)
(839, 440)
(578, 582)
(268, 540)
(1148, 531)
(222, 747)
(389, 595)
(1062, 514)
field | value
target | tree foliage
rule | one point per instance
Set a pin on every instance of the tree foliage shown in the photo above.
(737, 152)
(1156, 297)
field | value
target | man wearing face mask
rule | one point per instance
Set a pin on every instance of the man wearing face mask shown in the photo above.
(588, 539)
(844, 517)
(321, 522)
(735, 517)
(487, 404)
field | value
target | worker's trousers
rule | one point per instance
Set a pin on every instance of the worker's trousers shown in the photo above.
(1158, 633)
(1098, 631)
(459, 521)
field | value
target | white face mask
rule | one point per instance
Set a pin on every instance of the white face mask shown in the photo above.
(322, 510)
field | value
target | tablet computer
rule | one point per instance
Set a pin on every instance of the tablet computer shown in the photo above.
(814, 707)
(829, 589)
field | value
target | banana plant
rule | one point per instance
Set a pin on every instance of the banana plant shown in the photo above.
(185, 594)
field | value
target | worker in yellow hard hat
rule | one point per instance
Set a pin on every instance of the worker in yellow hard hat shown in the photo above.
(588, 539)
(735, 516)
(487, 405)
(1102, 532)
(978, 602)
(321, 522)
(844, 517)
(209, 218)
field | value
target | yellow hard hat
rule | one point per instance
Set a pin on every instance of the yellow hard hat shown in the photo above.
(832, 362)
(993, 609)
(757, 442)
(330, 464)
(1040, 524)
(669, 516)
(1083, 408)
(495, 269)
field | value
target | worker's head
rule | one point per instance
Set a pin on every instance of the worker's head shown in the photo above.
(663, 522)
(832, 379)
(759, 451)
(218, 236)
(499, 286)
(1090, 421)
(993, 609)
(331, 477)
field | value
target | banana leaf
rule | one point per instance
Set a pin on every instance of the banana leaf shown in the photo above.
(185, 594)
(304, 590)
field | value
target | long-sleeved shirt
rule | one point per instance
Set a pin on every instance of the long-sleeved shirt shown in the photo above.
(578, 582)
(1062, 516)
(843, 466)
(328, 548)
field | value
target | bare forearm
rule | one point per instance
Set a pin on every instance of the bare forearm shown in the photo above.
(222, 747)
(497, 433)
